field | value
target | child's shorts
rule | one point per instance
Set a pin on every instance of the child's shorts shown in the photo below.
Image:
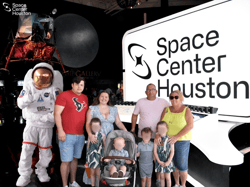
(146, 170)
(72, 147)
(116, 165)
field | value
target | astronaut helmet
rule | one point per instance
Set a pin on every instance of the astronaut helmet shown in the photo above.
(42, 77)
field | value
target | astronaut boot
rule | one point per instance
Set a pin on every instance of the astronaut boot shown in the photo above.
(23, 181)
(43, 176)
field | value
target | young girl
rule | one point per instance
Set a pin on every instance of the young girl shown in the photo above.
(95, 150)
(164, 154)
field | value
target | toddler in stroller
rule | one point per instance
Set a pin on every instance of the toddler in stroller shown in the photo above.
(120, 151)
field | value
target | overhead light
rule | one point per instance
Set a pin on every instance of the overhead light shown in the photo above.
(54, 11)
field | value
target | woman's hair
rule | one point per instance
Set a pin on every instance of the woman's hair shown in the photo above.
(161, 123)
(97, 101)
(95, 120)
(147, 130)
(179, 93)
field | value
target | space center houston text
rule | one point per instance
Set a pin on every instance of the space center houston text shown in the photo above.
(168, 50)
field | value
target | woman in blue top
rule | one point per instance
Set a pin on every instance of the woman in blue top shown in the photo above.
(106, 112)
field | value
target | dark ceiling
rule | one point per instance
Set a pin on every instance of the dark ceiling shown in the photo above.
(110, 27)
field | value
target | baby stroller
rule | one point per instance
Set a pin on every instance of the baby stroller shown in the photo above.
(129, 178)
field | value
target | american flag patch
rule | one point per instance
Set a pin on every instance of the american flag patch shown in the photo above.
(22, 94)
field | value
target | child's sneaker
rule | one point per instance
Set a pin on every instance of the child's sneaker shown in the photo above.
(176, 185)
(120, 174)
(115, 174)
(74, 184)
(158, 183)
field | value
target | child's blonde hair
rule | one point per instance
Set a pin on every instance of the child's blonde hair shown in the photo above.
(119, 138)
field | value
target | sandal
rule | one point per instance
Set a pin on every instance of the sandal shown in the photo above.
(115, 174)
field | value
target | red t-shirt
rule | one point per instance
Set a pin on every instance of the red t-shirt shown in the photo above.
(74, 112)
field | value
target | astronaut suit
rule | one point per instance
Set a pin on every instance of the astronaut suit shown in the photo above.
(41, 86)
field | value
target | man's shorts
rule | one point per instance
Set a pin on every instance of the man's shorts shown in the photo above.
(146, 170)
(72, 147)
(181, 153)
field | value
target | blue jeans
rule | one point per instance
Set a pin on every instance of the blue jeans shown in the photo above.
(181, 154)
(72, 147)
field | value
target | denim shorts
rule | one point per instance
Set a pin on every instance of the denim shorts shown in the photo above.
(181, 152)
(72, 147)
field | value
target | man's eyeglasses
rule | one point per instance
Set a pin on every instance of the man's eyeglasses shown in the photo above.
(172, 97)
(148, 90)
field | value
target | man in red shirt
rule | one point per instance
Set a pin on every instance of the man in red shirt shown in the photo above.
(70, 111)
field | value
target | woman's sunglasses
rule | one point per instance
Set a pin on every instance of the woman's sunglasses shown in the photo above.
(172, 97)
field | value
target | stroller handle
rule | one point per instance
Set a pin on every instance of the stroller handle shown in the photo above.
(118, 157)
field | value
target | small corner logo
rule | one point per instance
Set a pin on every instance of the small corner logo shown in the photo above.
(16, 9)
(6, 7)
(138, 60)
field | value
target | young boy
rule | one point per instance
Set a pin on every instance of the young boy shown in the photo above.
(118, 169)
(145, 152)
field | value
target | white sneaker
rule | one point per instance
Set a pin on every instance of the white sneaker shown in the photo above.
(176, 185)
(23, 181)
(74, 184)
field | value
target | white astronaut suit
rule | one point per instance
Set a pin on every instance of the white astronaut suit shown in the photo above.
(37, 104)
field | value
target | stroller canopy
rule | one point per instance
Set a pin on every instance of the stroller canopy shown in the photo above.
(129, 141)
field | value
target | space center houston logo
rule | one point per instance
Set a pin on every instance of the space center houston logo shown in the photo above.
(138, 60)
(170, 62)
(16, 9)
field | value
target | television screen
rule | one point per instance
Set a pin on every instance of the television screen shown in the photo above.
(20, 83)
(1, 82)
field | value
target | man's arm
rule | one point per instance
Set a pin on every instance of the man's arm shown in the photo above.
(58, 120)
(133, 122)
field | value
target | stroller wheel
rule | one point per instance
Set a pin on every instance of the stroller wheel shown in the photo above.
(104, 182)
(127, 182)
